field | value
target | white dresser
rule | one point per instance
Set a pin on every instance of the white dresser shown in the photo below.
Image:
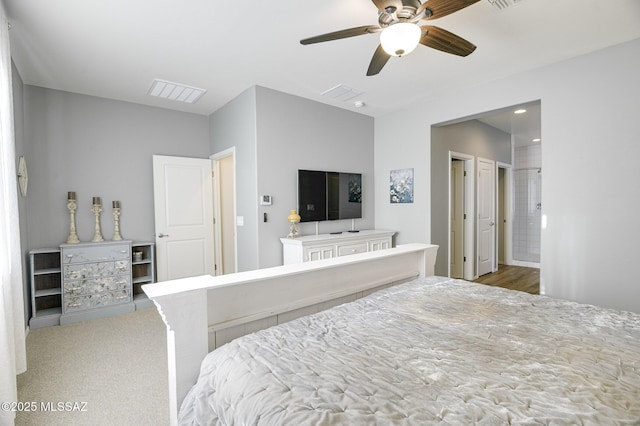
(96, 280)
(325, 246)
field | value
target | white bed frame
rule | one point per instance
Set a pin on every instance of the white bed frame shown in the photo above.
(202, 313)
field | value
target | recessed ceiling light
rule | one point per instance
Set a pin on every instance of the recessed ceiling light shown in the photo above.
(520, 111)
(535, 140)
(359, 104)
(175, 91)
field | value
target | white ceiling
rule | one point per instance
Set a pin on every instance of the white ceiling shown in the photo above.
(523, 127)
(115, 48)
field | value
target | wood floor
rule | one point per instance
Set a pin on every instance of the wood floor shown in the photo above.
(514, 278)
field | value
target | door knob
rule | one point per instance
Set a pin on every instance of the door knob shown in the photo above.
(161, 235)
(492, 223)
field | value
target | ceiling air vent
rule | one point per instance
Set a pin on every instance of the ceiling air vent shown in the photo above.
(175, 91)
(503, 4)
(342, 92)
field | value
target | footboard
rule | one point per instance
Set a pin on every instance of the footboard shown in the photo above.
(193, 308)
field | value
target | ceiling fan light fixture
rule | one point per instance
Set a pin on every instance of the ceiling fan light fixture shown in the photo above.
(401, 38)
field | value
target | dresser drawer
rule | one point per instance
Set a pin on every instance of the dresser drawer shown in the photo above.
(96, 253)
(77, 271)
(345, 250)
(95, 286)
(89, 301)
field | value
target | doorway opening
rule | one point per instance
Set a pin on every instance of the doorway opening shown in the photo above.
(461, 213)
(502, 136)
(504, 216)
(527, 217)
(224, 200)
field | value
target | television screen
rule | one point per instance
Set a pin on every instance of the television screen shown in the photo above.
(329, 195)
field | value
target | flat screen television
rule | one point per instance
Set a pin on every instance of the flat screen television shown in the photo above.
(329, 195)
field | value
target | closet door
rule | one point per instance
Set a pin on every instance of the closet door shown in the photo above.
(486, 216)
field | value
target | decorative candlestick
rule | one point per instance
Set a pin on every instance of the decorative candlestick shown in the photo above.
(116, 221)
(97, 209)
(72, 206)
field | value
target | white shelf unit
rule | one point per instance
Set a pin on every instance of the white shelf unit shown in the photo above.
(143, 271)
(46, 287)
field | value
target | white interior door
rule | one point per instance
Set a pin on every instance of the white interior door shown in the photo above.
(486, 196)
(456, 241)
(183, 204)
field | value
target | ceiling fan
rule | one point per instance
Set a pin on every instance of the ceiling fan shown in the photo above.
(400, 33)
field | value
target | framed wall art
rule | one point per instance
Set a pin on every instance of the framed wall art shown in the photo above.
(401, 186)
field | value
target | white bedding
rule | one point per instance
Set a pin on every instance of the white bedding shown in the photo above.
(434, 350)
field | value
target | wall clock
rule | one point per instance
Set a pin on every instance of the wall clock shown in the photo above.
(23, 176)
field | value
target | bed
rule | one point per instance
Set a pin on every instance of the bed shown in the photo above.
(422, 350)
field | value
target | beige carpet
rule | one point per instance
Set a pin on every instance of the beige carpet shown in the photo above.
(113, 369)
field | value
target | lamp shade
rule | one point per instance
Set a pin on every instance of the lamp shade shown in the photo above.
(400, 39)
(293, 217)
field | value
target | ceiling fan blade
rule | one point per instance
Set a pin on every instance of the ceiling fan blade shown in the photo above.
(379, 60)
(351, 32)
(440, 8)
(443, 40)
(382, 5)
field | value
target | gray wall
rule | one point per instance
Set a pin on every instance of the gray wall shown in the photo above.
(101, 147)
(296, 133)
(275, 134)
(469, 137)
(234, 125)
(590, 133)
(18, 119)
(98, 147)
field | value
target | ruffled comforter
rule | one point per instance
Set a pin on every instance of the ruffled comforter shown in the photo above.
(435, 350)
